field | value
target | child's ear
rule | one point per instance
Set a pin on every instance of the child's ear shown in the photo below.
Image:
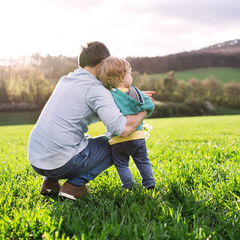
(120, 79)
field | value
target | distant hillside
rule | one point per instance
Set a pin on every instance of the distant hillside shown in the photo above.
(228, 47)
(223, 75)
(226, 54)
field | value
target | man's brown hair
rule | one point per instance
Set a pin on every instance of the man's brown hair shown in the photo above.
(93, 54)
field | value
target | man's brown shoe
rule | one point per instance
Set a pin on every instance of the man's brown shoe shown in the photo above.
(50, 187)
(71, 192)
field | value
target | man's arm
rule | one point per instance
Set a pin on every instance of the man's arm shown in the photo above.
(104, 105)
(133, 121)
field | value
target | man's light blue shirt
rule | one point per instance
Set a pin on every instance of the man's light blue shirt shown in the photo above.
(78, 100)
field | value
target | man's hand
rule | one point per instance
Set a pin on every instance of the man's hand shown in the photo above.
(149, 94)
(133, 121)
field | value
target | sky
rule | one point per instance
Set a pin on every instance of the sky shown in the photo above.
(129, 28)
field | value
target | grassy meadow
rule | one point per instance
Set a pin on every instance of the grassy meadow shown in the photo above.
(196, 165)
(223, 75)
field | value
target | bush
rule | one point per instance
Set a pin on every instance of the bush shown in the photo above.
(161, 110)
(22, 106)
(188, 108)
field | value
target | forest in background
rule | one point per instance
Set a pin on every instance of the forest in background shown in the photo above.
(27, 83)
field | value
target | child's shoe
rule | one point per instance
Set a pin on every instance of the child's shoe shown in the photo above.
(50, 187)
(71, 192)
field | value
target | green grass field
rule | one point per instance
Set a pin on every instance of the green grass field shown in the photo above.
(223, 75)
(196, 166)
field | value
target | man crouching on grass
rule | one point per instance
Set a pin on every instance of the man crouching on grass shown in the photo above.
(57, 148)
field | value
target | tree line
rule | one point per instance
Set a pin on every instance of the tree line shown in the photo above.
(194, 97)
(23, 85)
(32, 81)
(185, 61)
(54, 67)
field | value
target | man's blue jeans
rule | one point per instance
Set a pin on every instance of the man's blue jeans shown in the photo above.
(85, 166)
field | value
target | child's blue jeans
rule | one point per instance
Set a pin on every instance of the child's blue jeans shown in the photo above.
(85, 166)
(138, 150)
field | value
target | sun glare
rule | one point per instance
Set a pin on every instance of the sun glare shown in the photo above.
(28, 29)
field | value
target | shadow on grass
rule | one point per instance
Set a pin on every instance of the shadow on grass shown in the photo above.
(173, 212)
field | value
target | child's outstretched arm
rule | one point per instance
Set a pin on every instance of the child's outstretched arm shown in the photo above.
(149, 94)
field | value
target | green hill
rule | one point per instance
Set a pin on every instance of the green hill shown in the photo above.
(223, 75)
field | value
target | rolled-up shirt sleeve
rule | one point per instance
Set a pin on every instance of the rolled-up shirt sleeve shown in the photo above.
(102, 102)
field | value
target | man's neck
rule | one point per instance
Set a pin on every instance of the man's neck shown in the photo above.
(91, 70)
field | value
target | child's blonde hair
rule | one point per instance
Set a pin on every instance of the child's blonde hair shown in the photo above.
(111, 70)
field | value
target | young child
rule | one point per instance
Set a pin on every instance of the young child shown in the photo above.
(115, 74)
